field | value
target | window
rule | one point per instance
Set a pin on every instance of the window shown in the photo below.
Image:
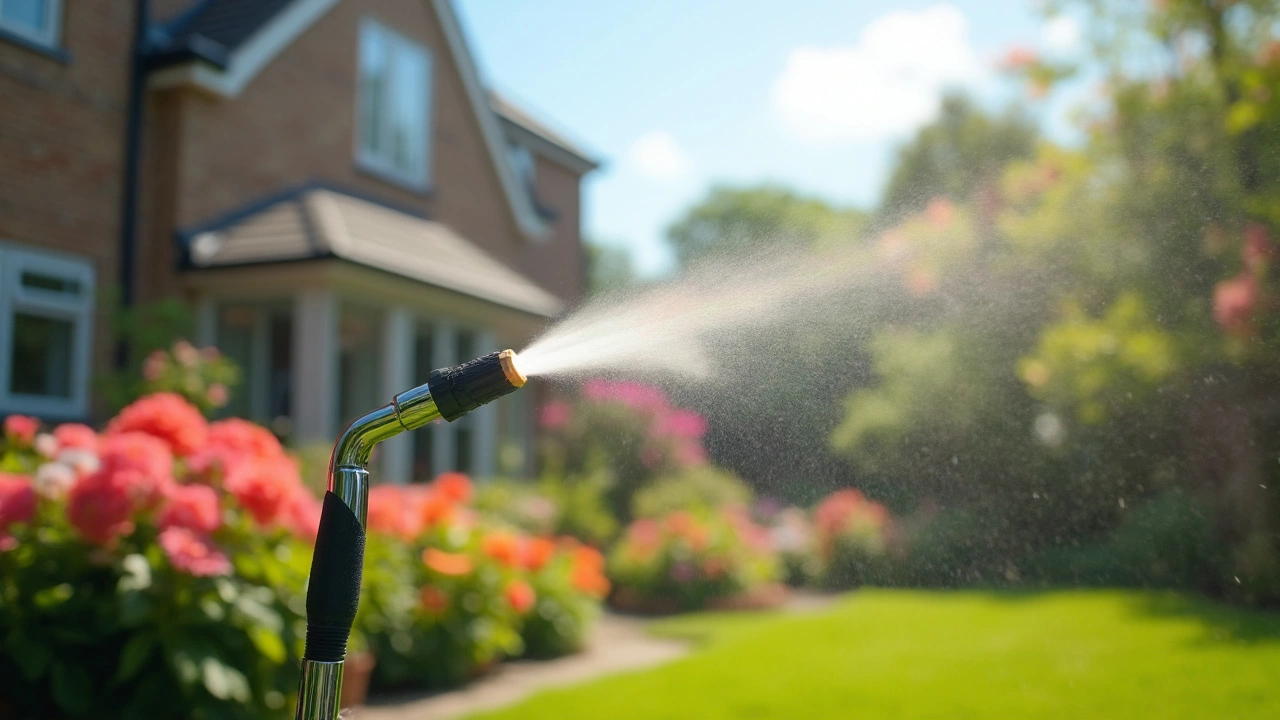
(259, 338)
(522, 162)
(34, 20)
(46, 306)
(394, 121)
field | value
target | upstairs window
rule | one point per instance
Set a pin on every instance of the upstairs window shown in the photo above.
(46, 307)
(522, 162)
(34, 20)
(394, 122)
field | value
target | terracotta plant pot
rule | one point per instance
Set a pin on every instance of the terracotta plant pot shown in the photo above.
(356, 673)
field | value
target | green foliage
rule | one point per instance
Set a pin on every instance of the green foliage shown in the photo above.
(698, 489)
(685, 560)
(609, 268)
(574, 506)
(957, 156)
(737, 220)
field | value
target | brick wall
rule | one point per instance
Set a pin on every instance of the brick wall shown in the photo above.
(295, 122)
(559, 263)
(62, 142)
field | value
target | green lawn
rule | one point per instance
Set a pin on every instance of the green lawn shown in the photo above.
(884, 654)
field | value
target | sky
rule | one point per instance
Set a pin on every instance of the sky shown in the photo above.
(677, 96)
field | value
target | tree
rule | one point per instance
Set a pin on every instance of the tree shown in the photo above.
(961, 153)
(736, 220)
(609, 268)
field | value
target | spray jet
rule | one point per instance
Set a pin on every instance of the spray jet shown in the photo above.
(336, 567)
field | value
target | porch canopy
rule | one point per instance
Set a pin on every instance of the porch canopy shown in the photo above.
(332, 303)
(314, 223)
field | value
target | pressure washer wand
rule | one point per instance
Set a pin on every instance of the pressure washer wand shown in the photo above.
(336, 567)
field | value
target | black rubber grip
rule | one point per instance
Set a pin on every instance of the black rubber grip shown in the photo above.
(459, 390)
(334, 591)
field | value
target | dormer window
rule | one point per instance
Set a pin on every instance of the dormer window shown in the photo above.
(522, 162)
(394, 121)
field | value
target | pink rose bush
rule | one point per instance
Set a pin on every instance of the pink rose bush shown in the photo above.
(163, 543)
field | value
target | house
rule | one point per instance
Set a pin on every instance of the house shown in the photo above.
(328, 183)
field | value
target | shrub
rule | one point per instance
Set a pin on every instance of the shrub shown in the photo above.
(455, 591)
(155, 570)
(850, 535)
(629, 430)
(703, 487)
(685, 560)
(553, 506)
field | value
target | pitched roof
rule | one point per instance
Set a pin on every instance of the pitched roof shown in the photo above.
(318, 222)
(513, 115)
(226, 22)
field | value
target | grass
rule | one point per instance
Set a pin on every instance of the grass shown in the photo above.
(888, 655)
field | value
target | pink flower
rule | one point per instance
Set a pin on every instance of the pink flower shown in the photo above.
(75, 435)
(555, 415)
(100, 506)
(186, 353)
(153, 367)
(680, 424)
(232, 442)
(193, 553)
(147, 459)
(263, 487)
(1234, 301)
(301, 516)
(637, 396)
(17, 501)
(1018, 58)
(218, 394)
(1258, 249)
(194, 507)
(941, 212)
(166, 416)
(21, 429)
(687, 454)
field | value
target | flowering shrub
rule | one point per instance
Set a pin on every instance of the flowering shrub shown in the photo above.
(628, 429)
(683, 560)
(450, 592)
(553, 506)
(139, 578)
(850, 535)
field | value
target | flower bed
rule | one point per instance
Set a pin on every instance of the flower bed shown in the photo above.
(688, 561)
(851, 534)
(158, 569)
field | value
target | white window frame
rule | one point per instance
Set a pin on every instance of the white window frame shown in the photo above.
(78, 310)
(418, 178)
(52, 23)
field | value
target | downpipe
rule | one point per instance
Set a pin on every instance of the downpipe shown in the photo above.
(333, 592)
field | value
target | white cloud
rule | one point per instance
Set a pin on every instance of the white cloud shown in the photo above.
(885, 85)
(657, 155)
(1061, 34)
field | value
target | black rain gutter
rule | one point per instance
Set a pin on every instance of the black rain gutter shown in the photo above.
(132, 160)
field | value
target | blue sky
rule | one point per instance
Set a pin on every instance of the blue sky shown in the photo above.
(677, 95)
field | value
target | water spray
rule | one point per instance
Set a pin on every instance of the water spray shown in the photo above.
(336, 567)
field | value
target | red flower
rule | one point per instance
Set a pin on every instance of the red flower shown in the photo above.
(390, 512)
(535, 553)
(166, 416)
(232, 442)
(434, 600)
(520, 595)
(555, 415)
(446, 563)
(17, 503)
(454, 486)
(590, 581)
(193, 553)
(100, 506)
(148, 460)
(1258, 249)
(302, 516)
(263, 487)
(1234, 301)
(21, 429)
(502, 547)
(75, 435)
(194, 507)
(434, 509)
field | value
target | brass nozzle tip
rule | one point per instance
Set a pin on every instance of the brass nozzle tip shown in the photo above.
(514, 376)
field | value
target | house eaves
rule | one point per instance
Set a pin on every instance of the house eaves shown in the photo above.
(280, 22)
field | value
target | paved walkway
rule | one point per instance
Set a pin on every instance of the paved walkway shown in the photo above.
(618, 643)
